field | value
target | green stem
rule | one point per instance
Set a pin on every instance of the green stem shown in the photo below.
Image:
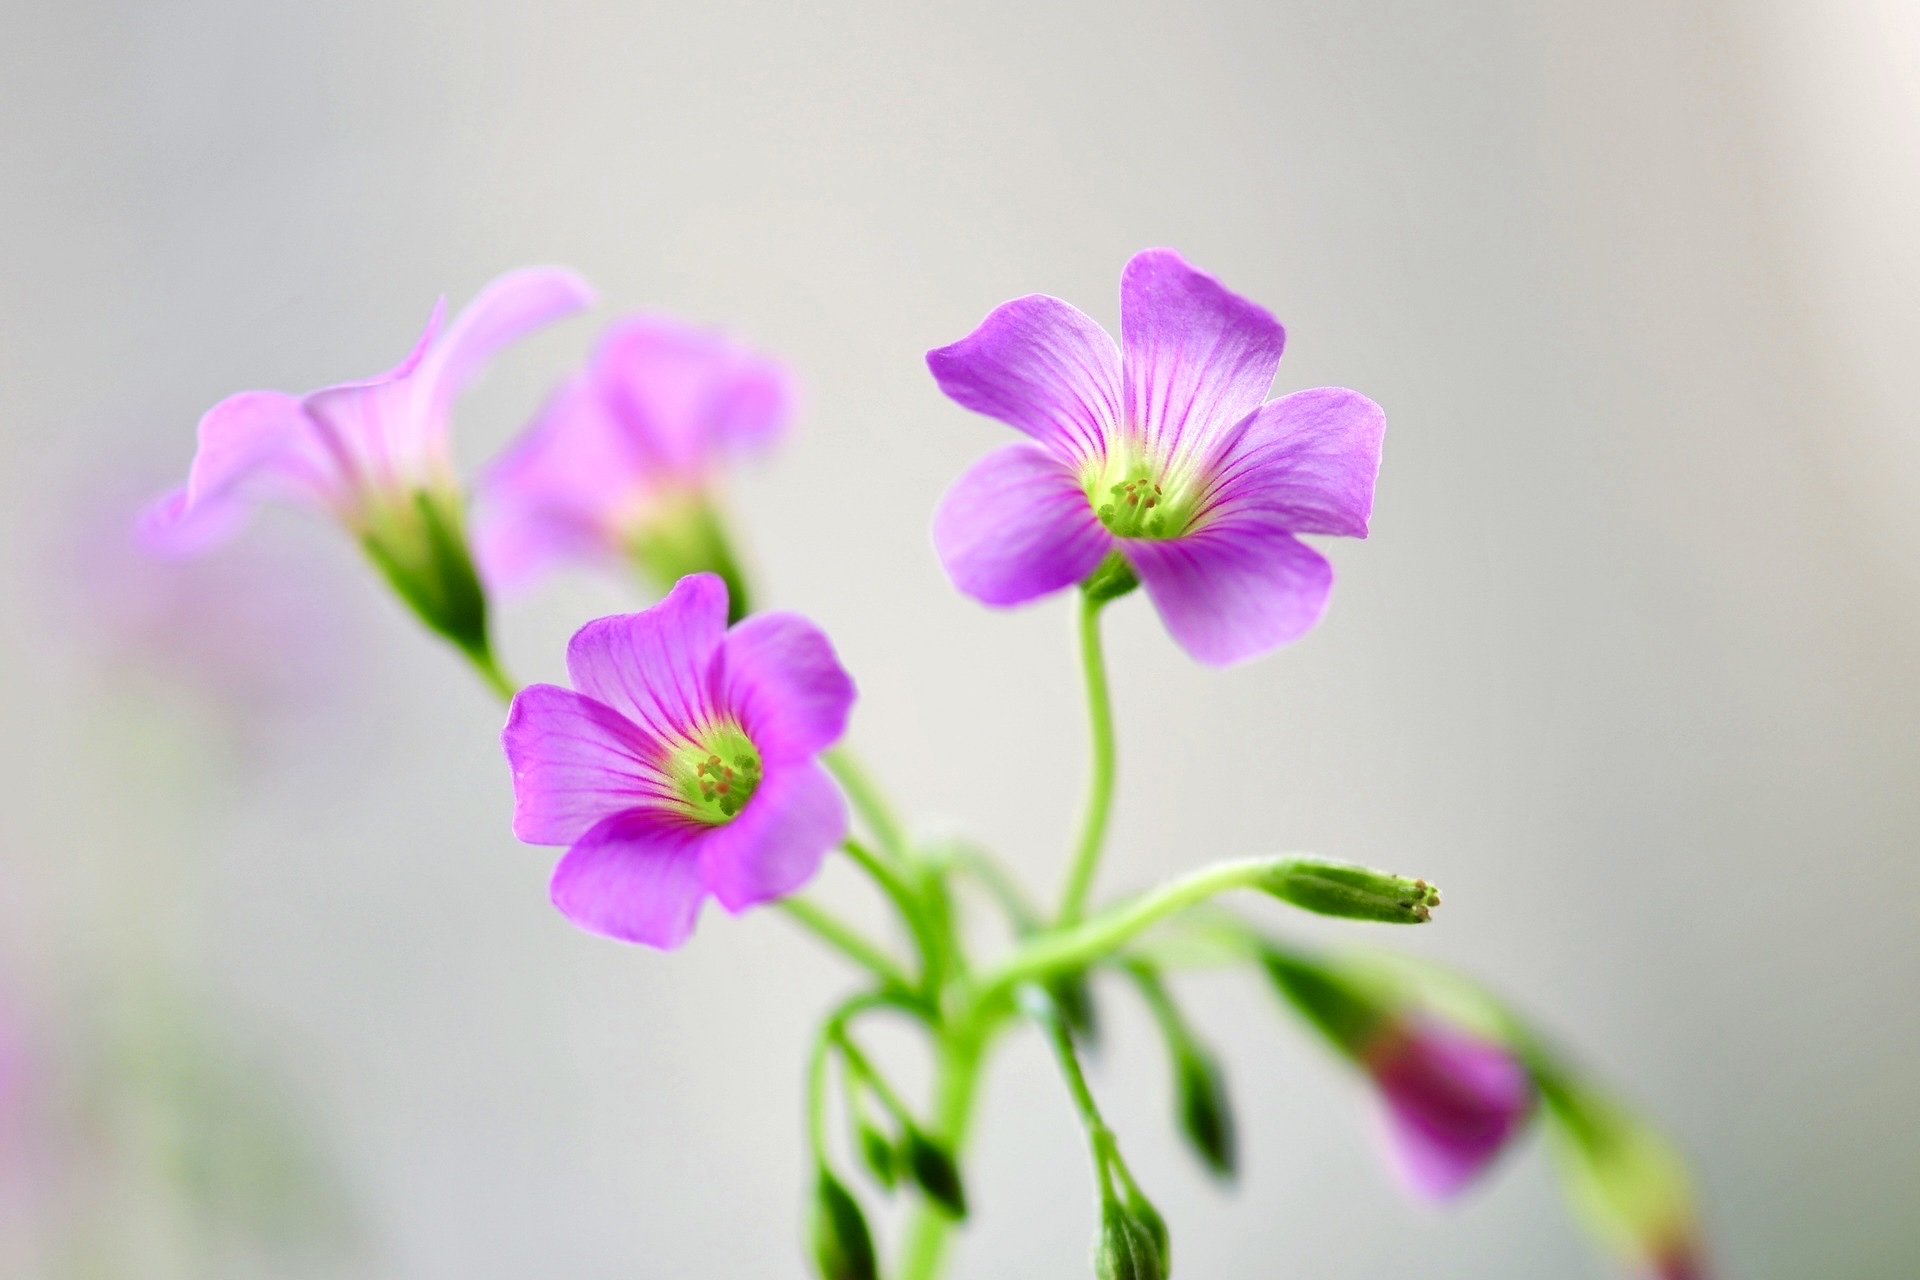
(913, 908)
(867, 801)
(1076, 947)
(1093, 827)
(829, 928)
(962, 1050)
(490, 671)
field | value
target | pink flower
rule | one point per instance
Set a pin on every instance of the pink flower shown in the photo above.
(1453, 1101)
(1160, 461)
(682, 764)
(622, 462)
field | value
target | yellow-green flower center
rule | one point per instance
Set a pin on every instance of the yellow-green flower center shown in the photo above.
(1136, 499)
(717, 775)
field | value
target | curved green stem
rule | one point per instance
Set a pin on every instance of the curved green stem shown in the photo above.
(1076, 947)
(1093, 827)
(491, 671)
(867, 801)
(847, 940)
(912, 905)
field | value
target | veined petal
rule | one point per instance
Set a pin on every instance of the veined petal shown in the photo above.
(652, 666)
(634, 877)
(576, 762)
(777, 842)
(556, 493)
(373, 429)
(508, 309)
(1308, 459)
(252, 445)
(1017, 525)
(689, 398)
(1199, 358)
(778, 675)
(1042, 367)
(1235, 588)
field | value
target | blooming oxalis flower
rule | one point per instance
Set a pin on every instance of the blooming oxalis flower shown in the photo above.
(622, 460)
(681, 764)
(1160, 451)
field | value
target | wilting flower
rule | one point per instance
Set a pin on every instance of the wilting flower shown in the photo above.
(1164, 456)
(1454, 1100)
(681, 764)
(622, 462)
(374, 454)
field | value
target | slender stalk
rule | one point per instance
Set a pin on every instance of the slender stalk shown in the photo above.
(1093, 826)
(491, 671)
(867, 801)
(847, 940)
(1076, 947)
(962, 1051)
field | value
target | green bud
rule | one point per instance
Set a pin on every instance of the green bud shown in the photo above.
(1332, 888)
(1153, 1224)
(420, 545)
(1206, 1112)
(1348, 1014)
(1623, 1178)
(684, 534)
(1127, 1248)
(879, 1155)
(1113, 579)
(934, 1172)
(842, 1245)
(1073, 998)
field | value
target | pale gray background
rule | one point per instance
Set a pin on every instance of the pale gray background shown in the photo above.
(1629, 666)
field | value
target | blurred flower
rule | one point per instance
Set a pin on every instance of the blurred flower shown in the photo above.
(1162, 464)
(622, 462)
(683, 766)
(1454, 1100)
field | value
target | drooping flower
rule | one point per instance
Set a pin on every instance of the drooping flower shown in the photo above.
(1159, 461)
(623, 461)
(683, 763)
(373, 454)
(1454, 1100)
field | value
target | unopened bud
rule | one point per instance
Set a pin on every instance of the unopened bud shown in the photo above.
(1206, 1112)
(879, 1155)
(1332, 888)
(1126, 1249)
(842, 1245)
(934, 1172)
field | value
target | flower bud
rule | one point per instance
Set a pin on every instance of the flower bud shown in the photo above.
(1126, 1249)
(1206, 1112)
(879, 1155)
(1073, 998)
(842, 1245)
(934, 1172)
(1332, 888)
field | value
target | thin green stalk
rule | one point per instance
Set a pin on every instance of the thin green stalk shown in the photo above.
(867, 801)
(1093, 827)
(490, 671)
(912, 906)
(1083, 944)
(844, 938)
(962, 1051)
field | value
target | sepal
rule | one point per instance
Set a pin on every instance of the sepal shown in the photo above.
(1329, 887)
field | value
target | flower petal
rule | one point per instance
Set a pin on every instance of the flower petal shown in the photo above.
(778, 674)
(1234, 589)
(689, 398)
(374, 429)
(635, 877)
(777, 842)
(652, 666)
(506, 310)
(1199, 358)
(1017, 525)
(253, 445)
(1308, 459)
(1042, 367)
(575, 761)
(556, 492)
(1453, 1102)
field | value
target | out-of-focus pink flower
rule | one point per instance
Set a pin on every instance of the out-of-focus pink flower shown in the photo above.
(682, 764)
(622, 462)
(1453, 1100)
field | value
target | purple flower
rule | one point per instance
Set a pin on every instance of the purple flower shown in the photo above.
(1164, 454)
(360, 451)
(622, 461)
(681, 764)
(1453, 1100)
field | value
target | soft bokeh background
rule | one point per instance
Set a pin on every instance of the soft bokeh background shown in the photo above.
(1631, 665)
